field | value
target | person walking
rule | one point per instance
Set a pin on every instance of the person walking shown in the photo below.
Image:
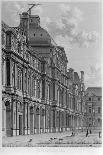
(99, 134)
(87, 133)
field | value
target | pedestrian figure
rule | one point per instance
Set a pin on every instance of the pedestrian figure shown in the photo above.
(99, 134)
(87, 133)
(90, 131)
(73, 133)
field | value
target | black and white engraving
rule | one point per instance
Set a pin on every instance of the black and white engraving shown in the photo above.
(51, 74)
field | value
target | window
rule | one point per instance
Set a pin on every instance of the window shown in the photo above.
(90, 110)
(98, 120)
(98, 98)
(29, 84)
(38, 89)
(99, 110)
(34, 87)
(89, 119)
(48, 91)
(13, 75)
(19, 80)
(25, 81)
(14, 117)
(8, 71)
(19, 47)
(89, 98)
(58, 97)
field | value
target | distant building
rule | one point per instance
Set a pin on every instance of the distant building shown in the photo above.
(39, 94)
(93, 107)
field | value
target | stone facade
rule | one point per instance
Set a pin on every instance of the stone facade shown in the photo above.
(39, 93)
(93, 107)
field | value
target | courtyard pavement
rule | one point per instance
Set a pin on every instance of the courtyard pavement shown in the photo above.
(63, 139)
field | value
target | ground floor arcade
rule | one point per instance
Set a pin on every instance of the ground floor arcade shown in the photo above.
(34, 117)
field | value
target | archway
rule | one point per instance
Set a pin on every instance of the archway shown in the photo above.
(8, 119)
(31, 120)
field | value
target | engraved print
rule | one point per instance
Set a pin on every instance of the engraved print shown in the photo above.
(51, 74)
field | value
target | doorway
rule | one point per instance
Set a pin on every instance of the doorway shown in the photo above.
(20, 124)
(8, 119)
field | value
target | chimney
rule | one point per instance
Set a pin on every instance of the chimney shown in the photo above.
(82, 76)
(24, 19)
(71, 73)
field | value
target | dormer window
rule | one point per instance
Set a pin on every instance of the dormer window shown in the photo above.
(89, 98)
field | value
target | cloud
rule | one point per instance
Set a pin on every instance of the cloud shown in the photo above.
(37, 10)
(64, 42)
(67, 24)
(47, 21)
(94, 76)
(84, 38)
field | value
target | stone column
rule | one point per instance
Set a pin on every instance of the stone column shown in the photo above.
(45, 118)
(23, 117)
(12, 100)
(37, 120)
(59, 121)
(31, 120)
(27, 119)
(54, 123)
(42, 120)
(16, 116)
(50, 119)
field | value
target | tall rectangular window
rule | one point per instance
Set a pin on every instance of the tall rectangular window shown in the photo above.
(19, 79)
(99, 109)
(29, 84)
(8, 71)
(90, 110)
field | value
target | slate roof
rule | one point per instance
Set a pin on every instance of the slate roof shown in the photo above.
(94, 90)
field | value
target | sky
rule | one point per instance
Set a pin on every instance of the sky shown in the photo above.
(74, 25)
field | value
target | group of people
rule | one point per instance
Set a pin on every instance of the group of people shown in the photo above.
(89, 131)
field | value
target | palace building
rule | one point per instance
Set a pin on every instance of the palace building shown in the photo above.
(93, 110)
(39, 93)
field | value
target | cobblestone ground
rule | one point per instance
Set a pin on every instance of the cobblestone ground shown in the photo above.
(54, 140)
